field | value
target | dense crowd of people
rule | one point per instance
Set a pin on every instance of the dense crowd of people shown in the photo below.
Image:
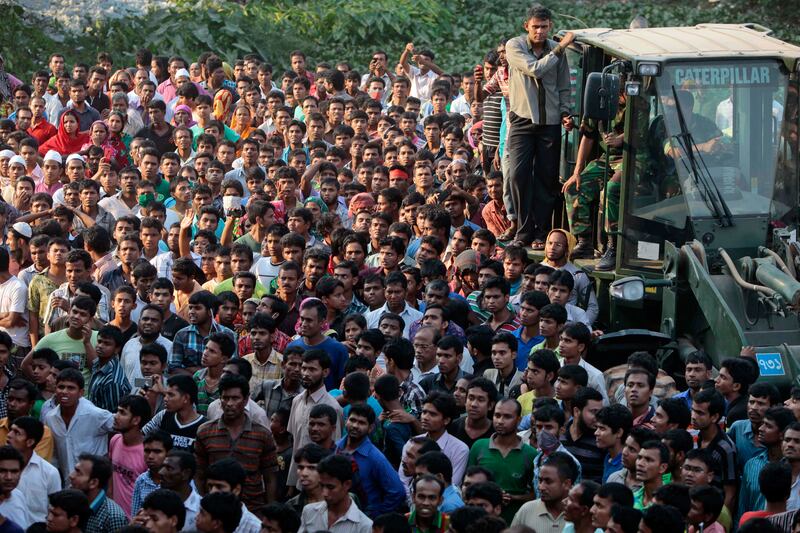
(234, 300)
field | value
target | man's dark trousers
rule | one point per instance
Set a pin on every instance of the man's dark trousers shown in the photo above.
(533, 167)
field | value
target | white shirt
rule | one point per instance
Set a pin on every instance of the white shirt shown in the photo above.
(38, 479)
(265, 271)
(117, 207)
(164, 261)
(793, 502)
(596, 380)
(130, 356)
(192, 505)
(249, 523)
(421, 84)
(417, 374)
(62, 291)
(409, 315)
(460, 105)
(87, 433)
(454, 449)
(315, 518)
(15, 508)
(13, 297)
(576, 314)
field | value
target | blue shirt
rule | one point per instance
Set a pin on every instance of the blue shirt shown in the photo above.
(686, 397)
(741, 432)
(524, 348)
(611, 465)
(379, 480)
(338, 354)
(450, 500)
(413, 247)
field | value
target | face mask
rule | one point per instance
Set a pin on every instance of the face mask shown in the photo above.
(548, 443)
(146, 199)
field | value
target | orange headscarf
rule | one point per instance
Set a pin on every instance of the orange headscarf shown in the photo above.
(222, 104)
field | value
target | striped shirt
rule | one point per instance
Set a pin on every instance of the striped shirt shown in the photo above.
(204, 396)
(586, 451)
(188, 345)
(492, 119)
(108, 384)
(724, 451)
(750, 496)
(254, 449)
(269, 369)
(272, 396)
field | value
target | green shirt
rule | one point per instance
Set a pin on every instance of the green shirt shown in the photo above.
(250, 242)
(542, 346)
(227, 285)
(69, 349)
(514, 472)
(638, 495)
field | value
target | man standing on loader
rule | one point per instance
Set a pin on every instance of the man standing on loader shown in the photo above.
(583, 188)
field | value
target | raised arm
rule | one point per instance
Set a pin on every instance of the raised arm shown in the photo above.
(185, 235)
(520, 58)
(408, 50)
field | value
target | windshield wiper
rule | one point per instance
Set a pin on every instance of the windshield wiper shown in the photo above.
(702, 177)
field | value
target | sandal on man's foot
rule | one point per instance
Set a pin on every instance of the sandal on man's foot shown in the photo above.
(538, 245)
(507, 235)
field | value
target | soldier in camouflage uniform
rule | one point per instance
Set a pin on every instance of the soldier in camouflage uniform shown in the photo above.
(583, 188)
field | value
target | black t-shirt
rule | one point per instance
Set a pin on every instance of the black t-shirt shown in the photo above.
(128, 333)
(458, 311)
(458, 430)
(183, 437)
(163, 142)
(172, 325)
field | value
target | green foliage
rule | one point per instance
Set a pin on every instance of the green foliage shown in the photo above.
(460, 32)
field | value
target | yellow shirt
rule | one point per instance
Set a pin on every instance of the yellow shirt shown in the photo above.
(526, 401)
(45, 446)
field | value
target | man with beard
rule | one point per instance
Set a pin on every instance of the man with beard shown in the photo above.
(316, 367)
(578, 436)
(557, 250)
(379, 481)
(505, 454)
(761, 396)
(236, 435)
(556, 477)
(148, 331)
(312, 316)
(770, 437)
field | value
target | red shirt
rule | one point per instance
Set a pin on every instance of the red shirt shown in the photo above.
(42, 131)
